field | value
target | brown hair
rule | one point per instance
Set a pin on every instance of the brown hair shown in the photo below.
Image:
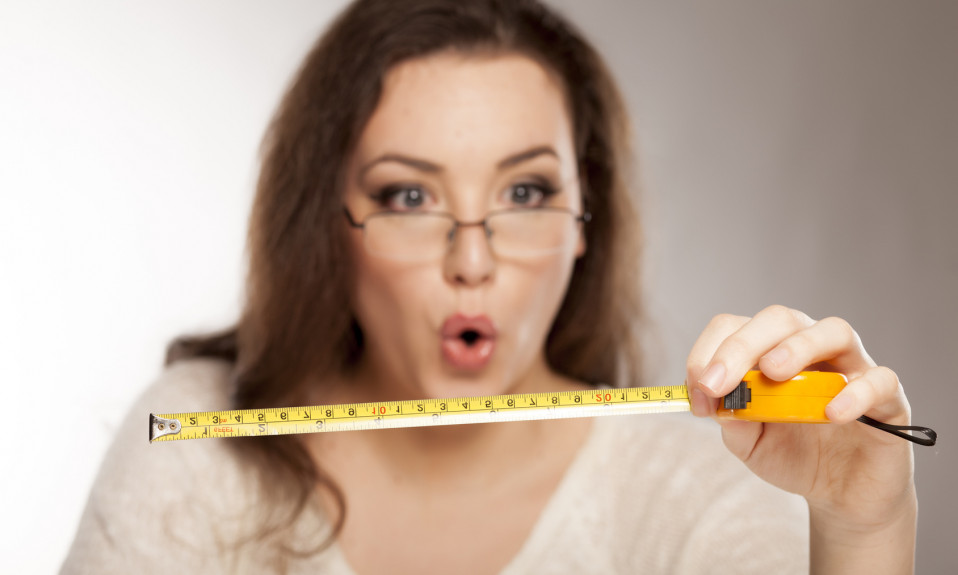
(297, 319)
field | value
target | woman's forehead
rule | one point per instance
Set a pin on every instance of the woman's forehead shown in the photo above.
(452, 107)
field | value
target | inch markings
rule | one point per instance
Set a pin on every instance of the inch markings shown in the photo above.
(417, 413)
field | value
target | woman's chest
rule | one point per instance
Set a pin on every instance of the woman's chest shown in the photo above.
(459, 518)
(400, 532)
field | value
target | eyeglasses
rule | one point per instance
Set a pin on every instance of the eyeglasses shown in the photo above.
(421, 236)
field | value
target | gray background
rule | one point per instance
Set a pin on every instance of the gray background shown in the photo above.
(803, 153)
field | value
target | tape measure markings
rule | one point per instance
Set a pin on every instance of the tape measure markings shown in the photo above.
(801, 399)
(418, 413)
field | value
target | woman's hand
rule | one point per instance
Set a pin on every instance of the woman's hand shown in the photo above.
(858, 481)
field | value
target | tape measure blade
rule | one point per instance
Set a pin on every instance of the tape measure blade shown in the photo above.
(418, 413)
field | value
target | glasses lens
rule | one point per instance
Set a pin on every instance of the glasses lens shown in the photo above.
(406, 236)
(531, 232)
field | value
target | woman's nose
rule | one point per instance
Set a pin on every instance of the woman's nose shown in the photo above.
(469, 260)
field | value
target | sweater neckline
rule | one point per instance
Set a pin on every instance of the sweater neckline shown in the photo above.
(550, 520)
(545, 525)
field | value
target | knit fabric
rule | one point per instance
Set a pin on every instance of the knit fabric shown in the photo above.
(645, 494)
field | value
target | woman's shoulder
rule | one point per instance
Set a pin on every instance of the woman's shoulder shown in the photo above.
(166, 500)
(195, 384)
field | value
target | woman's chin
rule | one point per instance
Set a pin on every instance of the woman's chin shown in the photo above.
(464, 383)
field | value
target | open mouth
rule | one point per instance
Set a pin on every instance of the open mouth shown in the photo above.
(468, 342)
(470, 337)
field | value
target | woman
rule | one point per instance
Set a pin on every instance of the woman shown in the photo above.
(441, 212)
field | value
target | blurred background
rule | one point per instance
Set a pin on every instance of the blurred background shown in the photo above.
(803, 153)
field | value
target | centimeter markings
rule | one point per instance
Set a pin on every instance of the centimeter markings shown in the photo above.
(418, 413)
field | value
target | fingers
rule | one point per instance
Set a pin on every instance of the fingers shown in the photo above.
(740, 437)
(878, 391)
(734, 352)
(782, 342)
(831, 339)
(710, 339)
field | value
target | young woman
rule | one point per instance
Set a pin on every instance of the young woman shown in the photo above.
(442, 211)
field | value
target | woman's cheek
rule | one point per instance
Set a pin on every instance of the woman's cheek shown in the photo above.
(389, 298)
(536, 293)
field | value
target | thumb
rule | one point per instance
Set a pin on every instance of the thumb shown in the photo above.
(740, 437)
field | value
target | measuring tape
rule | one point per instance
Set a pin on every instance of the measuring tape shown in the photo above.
(418, 413)
(757, 398)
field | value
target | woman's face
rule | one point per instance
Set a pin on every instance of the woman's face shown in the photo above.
(467, 136)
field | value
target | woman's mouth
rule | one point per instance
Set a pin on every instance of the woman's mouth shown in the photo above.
(468, 342)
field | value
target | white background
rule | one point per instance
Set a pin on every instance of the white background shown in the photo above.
(802, 153)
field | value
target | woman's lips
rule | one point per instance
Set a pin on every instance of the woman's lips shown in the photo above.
(468, 341)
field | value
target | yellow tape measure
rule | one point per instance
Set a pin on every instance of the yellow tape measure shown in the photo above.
(801, 399)
(418, 413)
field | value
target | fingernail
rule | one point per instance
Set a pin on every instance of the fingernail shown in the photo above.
(838, 406)
(777, 356)
(713, 377)
(700, 403)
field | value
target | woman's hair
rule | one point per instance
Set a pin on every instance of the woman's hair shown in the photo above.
(297, 323)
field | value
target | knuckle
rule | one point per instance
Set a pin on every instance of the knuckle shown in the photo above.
(887, 378)
(880, 383)
(871, 387)
(796, 346)
(734, 346)
(882, 387)
(843, 328)
(727, 321)
(693, 371)
(777, 310)
(695, 365)
(788, 315)
(802, 318)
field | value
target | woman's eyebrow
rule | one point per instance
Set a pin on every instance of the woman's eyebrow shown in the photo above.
(421, 165)
(526, 156)
(427, 166)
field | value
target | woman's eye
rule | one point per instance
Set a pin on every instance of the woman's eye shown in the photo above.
(529, 194)
(401, 198)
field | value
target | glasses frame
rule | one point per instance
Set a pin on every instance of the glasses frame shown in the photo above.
(583, 218)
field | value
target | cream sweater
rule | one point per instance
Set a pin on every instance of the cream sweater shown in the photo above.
(645, 494)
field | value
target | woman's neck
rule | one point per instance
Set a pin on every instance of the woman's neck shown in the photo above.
(447, 457)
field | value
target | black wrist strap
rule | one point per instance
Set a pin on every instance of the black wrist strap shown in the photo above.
(930, 436)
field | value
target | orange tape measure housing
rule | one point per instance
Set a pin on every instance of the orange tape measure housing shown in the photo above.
(801, 399)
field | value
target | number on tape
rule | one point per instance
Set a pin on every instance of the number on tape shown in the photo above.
(418, 413)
